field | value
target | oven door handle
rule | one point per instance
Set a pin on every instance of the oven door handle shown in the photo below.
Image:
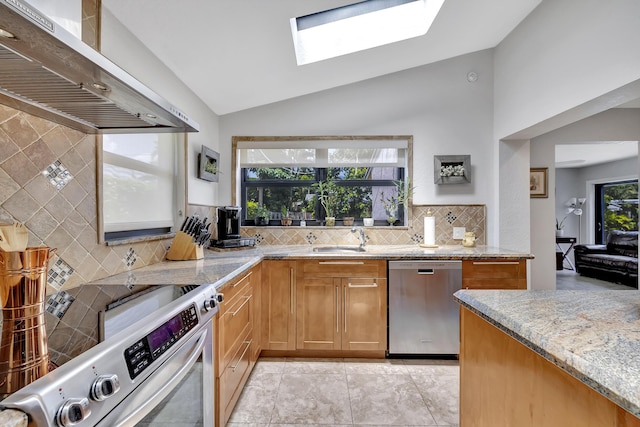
(158, 385)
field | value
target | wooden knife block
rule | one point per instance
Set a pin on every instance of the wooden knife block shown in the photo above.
(183, 247)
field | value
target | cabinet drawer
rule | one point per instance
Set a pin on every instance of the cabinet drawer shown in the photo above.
(231, 289)
(512, 269)
(235, 319)
(234, 376)
(342, 268)
(485, 274)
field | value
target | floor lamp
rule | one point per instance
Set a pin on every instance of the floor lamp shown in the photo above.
(574, 206)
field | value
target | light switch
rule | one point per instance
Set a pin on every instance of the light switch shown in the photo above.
(458, 233)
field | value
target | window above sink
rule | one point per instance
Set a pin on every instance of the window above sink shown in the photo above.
(282, 174)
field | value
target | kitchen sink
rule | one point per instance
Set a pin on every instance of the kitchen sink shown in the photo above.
(334, 249)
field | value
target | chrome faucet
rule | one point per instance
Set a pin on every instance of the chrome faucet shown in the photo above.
(362, 236)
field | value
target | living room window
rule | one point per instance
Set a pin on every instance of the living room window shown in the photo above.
(616, 208)
(281, 175)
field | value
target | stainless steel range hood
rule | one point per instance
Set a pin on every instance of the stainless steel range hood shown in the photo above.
(48, 72)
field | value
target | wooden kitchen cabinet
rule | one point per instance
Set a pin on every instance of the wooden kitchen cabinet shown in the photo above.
(341, 305)
(278, 305)
(318, 313)
(237, 341)
(365, 313)
(494, 274)
(505, 383)
(256, 343)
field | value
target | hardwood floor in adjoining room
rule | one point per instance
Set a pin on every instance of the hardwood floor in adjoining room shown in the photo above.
(350, 392)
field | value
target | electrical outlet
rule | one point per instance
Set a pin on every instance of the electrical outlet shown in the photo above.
(458, 233)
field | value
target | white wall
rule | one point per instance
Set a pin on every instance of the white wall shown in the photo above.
(120, 46)
(436, 104)
(614, 125)
(564, 54)
(569, 185)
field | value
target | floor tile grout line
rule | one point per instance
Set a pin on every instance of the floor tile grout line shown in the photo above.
(426, 405)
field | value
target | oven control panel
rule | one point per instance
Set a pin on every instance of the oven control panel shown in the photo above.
(149, 348)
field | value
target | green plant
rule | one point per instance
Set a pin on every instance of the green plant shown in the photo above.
(211, 166)
(285, 212)
(261, 211)
(327, 192)
(404, 191)
(560, 224)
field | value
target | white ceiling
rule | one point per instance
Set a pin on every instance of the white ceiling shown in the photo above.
(588, 154)
(238, 54)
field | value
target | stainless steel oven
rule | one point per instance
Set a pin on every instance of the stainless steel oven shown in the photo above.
(159, 366)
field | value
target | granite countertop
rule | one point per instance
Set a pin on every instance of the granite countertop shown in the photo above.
(593, 335)
(220, 266)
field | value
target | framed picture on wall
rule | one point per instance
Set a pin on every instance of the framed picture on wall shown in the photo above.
(538, 182)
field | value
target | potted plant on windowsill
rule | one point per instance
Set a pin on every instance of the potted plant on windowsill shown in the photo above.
(392, 204)
(286, 220)
(261, 216)
(367, 219)
(327, 195)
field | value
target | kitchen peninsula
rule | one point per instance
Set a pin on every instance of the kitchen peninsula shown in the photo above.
(550, 358)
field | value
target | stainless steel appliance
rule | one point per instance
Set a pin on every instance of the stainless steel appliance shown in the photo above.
(423, 317)
(48, 72)
(133, 375)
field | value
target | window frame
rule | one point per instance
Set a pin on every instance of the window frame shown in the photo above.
(239, 182)
(599, 207)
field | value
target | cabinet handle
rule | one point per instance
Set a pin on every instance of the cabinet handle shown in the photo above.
(233, 368)
(241, 280)
(496, 262)
(344, 309)
(337, 309)
(291, 289)
(368, 285)
(240, 308)
(341, 262)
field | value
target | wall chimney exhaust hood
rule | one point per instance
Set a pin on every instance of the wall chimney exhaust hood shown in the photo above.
(48, 72)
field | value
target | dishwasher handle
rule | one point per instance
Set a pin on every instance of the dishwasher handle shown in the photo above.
(426, 271)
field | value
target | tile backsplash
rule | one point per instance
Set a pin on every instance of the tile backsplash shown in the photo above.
(471, 217)
(48, 182)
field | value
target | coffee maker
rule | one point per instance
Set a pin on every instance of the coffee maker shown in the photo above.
(229, 229)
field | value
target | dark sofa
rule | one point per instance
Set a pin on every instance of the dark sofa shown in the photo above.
(617, 261)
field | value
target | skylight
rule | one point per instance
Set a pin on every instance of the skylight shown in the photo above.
(360, 26)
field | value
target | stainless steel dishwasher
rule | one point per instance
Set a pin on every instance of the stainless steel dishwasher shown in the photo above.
(423, 317)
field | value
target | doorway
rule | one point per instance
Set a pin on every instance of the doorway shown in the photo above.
(596, 190)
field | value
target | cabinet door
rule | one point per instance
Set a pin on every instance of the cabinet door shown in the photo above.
(256, 301)
(318, 315)
(278, 305)
(364, 325)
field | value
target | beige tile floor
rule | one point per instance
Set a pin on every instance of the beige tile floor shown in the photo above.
(350, 392)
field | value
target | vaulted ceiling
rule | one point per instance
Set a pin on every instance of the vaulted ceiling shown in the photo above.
(239, 54)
